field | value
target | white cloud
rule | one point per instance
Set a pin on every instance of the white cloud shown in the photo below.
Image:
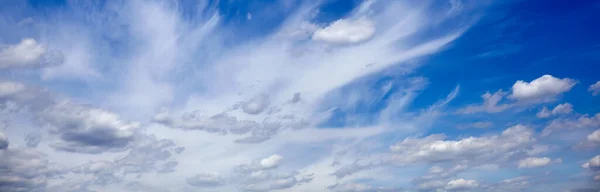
(490, 104)
(8, 88)
(563, 124)
(564, 108)
(27, 53)
(595, 88)
(459, 184)
(594, 136)
(533, 162)
(358, 187)
(543, 89)
(434, 149)
(346, 31)
(271, 161)
(593, 163)
(256, 105)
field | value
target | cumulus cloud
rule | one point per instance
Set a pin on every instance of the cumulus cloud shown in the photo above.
(543, 89)
(85, 129)
(8, 88)
(212, 179)
(490, 104)
(27, 53)
(564, 108)
(434, 148)
(564, 124)
(595, 88)
(593, 163)
(533, 162)
(594, 136)
(271, 161)
(461, 184)
(346, 31)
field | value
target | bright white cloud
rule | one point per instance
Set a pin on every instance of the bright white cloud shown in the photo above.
(595, 88)
(434, 149)
(532, 162)
(8, 88)
(26, 53)
(346, 31)
(594, 136)
(564, 108)
(271, 161)
(461, 184)
(593, 163)
(543, 89)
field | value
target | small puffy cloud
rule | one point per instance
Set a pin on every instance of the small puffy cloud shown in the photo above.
(3, 141)
(256, 105)
(490, 104)
(595, 88)
(593, 163)
(435, 149)
(461, 184)
(564, 108)
(542, 89)
(346, 31)
(271, 161)
(583, 122)
(211, 179)
(532, 162)
(8, 88)
(594, 136)
(27, 53)
(84, 129)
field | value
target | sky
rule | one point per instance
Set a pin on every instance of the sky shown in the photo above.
(299, 96)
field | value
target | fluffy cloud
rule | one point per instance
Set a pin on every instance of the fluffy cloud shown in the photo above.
(490, 104)
(461, 184)
(595, 88)
(542, 89)
(27, 53)
(434, 149)
(8, 88)
(271, 161)
(594, 136)
(3, 141)
(583, 122)
(593, 163)
(84, 129)
(346, 31)
(212, 179)
(564, 108)
(532, 162)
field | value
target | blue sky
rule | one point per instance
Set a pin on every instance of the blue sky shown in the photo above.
(287, 95)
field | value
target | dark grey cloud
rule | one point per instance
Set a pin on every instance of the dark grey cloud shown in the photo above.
(3, 141)
(83, 129)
